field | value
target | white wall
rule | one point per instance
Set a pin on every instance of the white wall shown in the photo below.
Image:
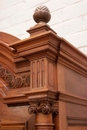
(69, 18)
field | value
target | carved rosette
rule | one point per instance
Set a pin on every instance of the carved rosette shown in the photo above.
(14, 81)
(44, 107)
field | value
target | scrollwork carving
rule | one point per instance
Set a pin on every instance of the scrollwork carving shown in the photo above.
(44, 107)
(9, 78)
(27, 80)
(55, 109)
(33, 109)
(14, 81)
(2, 72)
(17, 82)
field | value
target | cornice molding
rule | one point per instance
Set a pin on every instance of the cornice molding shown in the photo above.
(72, 58)
(44, 44)
(34, 40)
(72, 99)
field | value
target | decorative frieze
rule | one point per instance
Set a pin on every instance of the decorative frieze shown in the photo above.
(14, 81)
(43, 106)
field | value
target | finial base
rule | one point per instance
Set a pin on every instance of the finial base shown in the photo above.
(39, 29)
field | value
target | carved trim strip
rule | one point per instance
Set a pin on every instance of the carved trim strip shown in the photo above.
(77, 121)
(13, 81)
(44, 107)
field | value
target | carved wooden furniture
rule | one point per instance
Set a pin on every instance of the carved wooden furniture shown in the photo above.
(43, 80)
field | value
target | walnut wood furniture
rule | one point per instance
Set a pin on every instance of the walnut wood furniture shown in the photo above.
(43, 80)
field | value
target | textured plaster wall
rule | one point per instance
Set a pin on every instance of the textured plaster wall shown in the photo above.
(69, 18)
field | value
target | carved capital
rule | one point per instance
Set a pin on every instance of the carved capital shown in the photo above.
(44, 107)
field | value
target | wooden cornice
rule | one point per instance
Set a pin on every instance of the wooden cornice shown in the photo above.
(46, 43)
(72, 58)
(45, 36)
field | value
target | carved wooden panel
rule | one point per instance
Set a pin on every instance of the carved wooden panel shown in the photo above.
(38, 73)
(43, 74)
(13, 81)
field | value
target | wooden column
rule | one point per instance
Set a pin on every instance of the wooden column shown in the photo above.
(43, 110)
(44, 121)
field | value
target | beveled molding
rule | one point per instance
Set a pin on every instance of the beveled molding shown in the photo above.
(72, 99)
(11, 126)
(44, 106)
(77, 121)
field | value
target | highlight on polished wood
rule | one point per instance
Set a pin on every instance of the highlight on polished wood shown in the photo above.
(43, 80)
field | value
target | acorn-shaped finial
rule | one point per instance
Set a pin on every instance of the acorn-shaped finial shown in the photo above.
(42, 14)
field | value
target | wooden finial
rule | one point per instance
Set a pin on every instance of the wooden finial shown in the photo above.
(42, 14)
